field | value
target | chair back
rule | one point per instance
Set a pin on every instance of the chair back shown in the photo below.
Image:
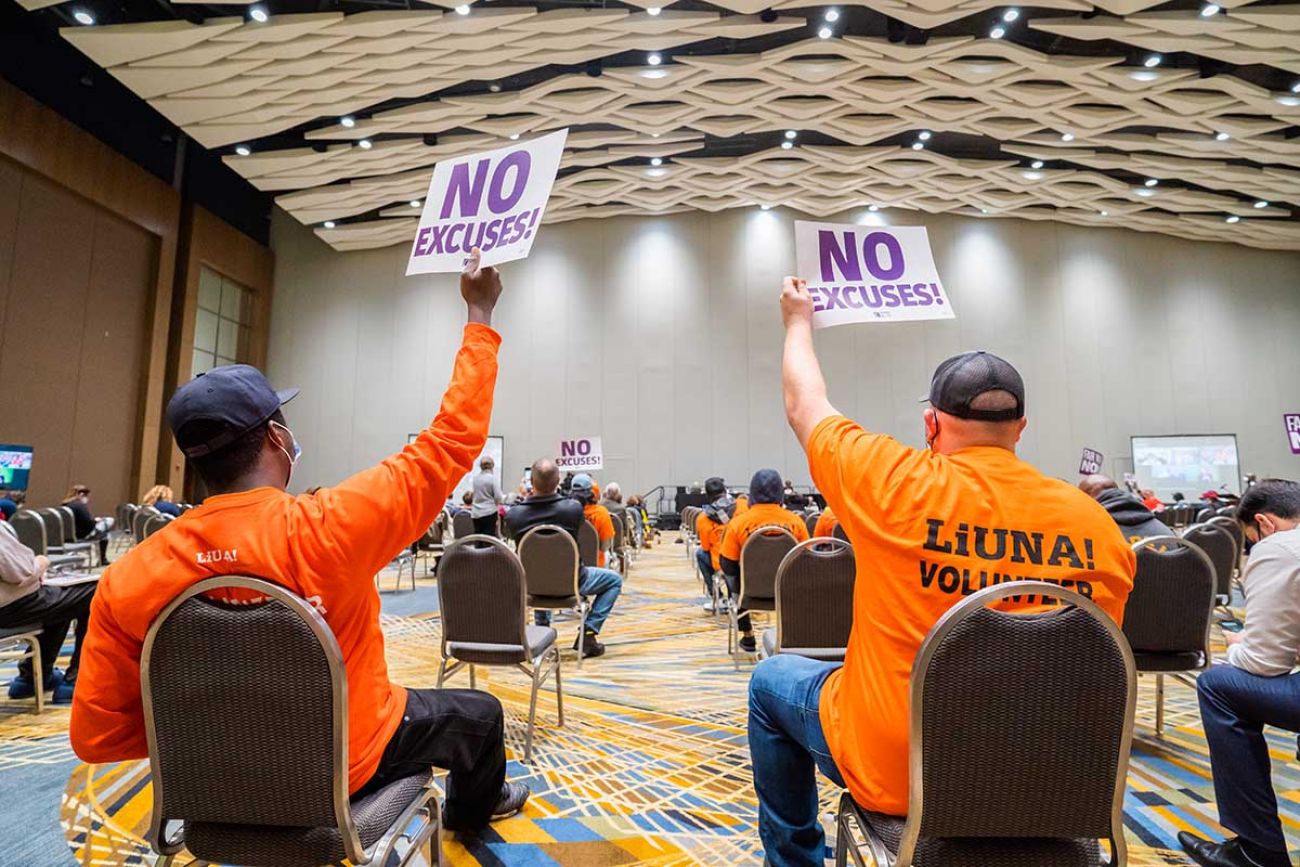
(1233, 528)
(689, 514)
(620, 532)
(760, 558)
(1020, 723)
(1226, 512)
(838, 533)
(588, 543)
(154, 523)
(551, 565)
(814, 595)
(251, 763)
(53, 521)
(462, 525)
(139, 520)
(810, 521)
(69, 523)
(481, 595)
(1205, 514)
(1221, 548)
(123, 515)
(30, 529)
(1173, 597)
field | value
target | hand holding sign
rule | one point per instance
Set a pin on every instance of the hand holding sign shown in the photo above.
(796, 301)
(480, 287)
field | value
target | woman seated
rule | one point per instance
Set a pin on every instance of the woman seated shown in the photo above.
(162, 499)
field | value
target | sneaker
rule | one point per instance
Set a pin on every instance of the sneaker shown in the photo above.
(708, 606)
(22, 687)
(512, 800)
(748, 644)
(590, 646)
(63, 692)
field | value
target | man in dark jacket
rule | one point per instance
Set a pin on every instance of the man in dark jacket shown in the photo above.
(1135, 520)
(546, 506)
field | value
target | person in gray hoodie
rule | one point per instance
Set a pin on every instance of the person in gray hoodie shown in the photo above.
(1135, 520)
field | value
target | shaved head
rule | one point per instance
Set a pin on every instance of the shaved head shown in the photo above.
(546, 476)
(1095, 484)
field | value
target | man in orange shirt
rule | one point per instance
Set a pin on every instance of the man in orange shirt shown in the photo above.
(709, 527)
(930, 527)
(826, 523)
(584, 491)
(325, 547)
(765, 494)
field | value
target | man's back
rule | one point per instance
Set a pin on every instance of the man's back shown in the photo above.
(1135, 520)
(741, 527)
(544, 509)
(487, 495)
(930, 530)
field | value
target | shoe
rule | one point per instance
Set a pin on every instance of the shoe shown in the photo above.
(590, 646)
(708, 606)
(22, 687)
(512, 800)
(1229, 853)
(63, 692)
(748, 644)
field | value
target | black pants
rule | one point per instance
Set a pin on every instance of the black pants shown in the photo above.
(460, 730)
(743, 620)
(53, 608)
(487, 525)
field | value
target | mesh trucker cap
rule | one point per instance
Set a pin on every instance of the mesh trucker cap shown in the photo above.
(962, 378)
(238, 397)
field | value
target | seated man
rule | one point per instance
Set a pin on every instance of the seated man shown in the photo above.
(612, 499)
(1257, 687)
(86, 527)
(1135, 520)
(710, 524)
(826, 523)
(921, 521)
(546, 506)
(26, 599)
(325, 548)
(583, 489)
(765, 510)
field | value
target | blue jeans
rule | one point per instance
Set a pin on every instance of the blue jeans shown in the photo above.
(1235, 707)
(604, 584)
(704, 562)
(787, 748)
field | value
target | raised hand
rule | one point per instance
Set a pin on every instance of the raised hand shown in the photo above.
(480, 287)
(796, 302)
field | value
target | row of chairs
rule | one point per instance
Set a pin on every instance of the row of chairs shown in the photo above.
(620, 548)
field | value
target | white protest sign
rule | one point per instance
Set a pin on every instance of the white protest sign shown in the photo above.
(1090, 462)
(493, 201)
(581, 455)
(869, 273)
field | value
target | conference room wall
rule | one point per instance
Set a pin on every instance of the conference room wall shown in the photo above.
(662, 335)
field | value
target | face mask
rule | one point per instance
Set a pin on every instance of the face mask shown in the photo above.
(297, 451)
(930, 440)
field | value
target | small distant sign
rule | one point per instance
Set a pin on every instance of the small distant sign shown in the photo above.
(1090, 462)
(579, 455)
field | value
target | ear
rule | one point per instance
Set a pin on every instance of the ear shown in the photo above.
(931, 417)
(1020, 428)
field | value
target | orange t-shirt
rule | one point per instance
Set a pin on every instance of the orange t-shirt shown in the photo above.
(742, 504)
(740, 527)
(710, 534)
(930, 530)
(599, 517)
(324, 547)
(826, 523)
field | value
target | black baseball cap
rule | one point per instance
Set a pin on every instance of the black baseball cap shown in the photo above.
(962, 378)
(237, 397)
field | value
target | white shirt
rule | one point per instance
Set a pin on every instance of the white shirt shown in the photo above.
(1270, 643)
(487, 495)
(20, 571)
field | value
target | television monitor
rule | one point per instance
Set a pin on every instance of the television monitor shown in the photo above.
(1187, 464)
(15, 467)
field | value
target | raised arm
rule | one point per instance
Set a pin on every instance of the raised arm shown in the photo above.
(806, 403)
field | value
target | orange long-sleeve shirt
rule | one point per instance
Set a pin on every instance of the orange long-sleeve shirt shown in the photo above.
(709, 532)
(826, 523)
(600, 518)
(326, 548)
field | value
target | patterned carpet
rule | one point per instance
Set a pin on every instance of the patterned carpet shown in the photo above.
(651, 767)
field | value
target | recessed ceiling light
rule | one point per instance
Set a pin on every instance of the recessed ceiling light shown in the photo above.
(657, 161)
(415, 203)
(348, 121)
(1233, 218)
(1289, 100)
(494, 87)
(1067, 136)
(791, 134)
(1150, 182)
(1105, 213)
(918, 146)
(925, 135)
(998, 32)
(825, 33)
(786, 145)
(1221, 136)
(243, 150)
(766, 207)
(1210, 9)
(1295, 88)
(514, 136)
(1261, 204)
(258, 14)
(1152, 61)
(1036, 164)
(329, 224)
(984, 211)
(1011, 15)
(832, 15)
(654, 10)
(654, 58)
(873, 208)
(463, 9)
(83, 17)
(654, 135)
(365, 144)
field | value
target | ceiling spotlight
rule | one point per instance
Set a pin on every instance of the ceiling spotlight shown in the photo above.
(1209, 10)
(786, 145)
(654, 10)
(1221, 136)
(348, 121)
(1261, 204)
(873, 208)
(462, 9)
(243, 150)
(1295, 88)
(925, 135)
(1036, 164)
(791, 134)
(329, 224)
(832, 15)
(83, 17)
(258, 14)
(657, 161)
(984, 211)
(1011, 15)
(918, 146)
(1067, 136)
(766, 207)
(654, 58)
(1105, 213)
(514, 136)
(1233, 218)
(998, 32)
(1150, 182)
(415, 203)
(1152, 61)
(365, 144)
(825, 33)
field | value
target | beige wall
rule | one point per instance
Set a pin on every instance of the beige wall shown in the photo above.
(663, 336)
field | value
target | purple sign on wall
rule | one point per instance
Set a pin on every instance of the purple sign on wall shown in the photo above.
(1292, 420)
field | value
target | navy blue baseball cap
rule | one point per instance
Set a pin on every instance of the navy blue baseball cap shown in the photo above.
(235, 397)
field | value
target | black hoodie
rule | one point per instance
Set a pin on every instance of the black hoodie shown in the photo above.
(1135, 520)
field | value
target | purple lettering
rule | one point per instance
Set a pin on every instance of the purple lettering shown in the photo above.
(923, 298)
(567, 449)
(851, 292)
(460, 189)
(938, 296)
(838, 263)
(520, 162)
(451, 246)
(870, 254)
(492, 233)
(905, 292)
(833, 299)
(507, 225)
(436, 239)
(889, 292)
(420, 238)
